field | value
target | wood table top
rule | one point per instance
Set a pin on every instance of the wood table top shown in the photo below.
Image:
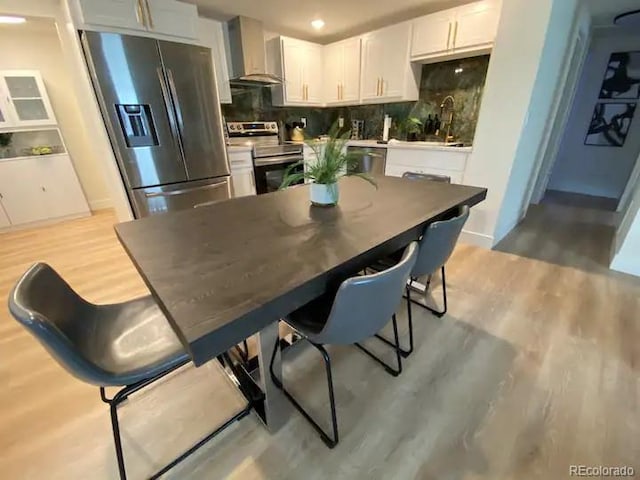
(223, 272)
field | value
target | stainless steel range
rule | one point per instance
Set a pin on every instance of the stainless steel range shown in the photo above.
(271, 158)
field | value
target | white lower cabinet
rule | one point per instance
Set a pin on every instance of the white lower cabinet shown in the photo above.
(4, 220)
(40, 188)
(436, 162)
(242, 177)
(243, 181)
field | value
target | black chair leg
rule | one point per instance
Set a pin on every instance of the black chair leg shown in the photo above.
(117, 441)
(123, 394)
(329, 442)
(437, 313)
(404, 352)
(392, 371)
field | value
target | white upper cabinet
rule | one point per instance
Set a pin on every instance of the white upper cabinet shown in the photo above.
(127, 14)
(211, 35)
(163, 17)
(466, 30)
(386, 72)
(432, 33)
(342, 72)
(300, 64)
(476, 24)
(24, 102)
(170, 17)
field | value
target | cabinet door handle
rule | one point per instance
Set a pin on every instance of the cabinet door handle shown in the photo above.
(139, 15)
(43, 189)
(382, 86)
(449, 36)
(150, 20)
(338, 87)
(455, 34)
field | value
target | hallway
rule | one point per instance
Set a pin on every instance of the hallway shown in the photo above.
(566, 229)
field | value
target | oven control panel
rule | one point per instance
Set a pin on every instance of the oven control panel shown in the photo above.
(251, 129)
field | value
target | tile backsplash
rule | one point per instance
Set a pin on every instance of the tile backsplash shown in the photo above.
(463, 79)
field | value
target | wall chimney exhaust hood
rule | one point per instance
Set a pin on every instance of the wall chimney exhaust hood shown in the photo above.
(248, 59)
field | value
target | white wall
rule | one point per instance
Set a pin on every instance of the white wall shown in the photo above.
(525, 64)
(35, 46)
(595, 170)
(627, 257)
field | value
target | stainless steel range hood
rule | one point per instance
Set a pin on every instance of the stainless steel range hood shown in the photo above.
(248, 59)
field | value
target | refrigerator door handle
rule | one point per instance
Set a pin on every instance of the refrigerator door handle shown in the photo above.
(185, 190)
(166, 98)
(174, 97)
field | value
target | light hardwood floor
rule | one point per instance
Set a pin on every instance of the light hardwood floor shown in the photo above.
(535, 367)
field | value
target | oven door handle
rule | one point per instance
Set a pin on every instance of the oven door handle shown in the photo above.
(282, 159)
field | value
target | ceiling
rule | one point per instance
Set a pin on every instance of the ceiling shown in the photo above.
(343, 18)
(604, 11)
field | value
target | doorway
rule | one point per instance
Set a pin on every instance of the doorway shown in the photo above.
(585, 176)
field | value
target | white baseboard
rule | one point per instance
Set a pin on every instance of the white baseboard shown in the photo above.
(477, 239)
(630, 266)
(100, 204)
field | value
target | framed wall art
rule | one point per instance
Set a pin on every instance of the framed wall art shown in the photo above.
(622, 77)
(610, 124)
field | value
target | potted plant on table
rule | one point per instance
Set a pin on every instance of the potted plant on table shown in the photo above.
(333, 161)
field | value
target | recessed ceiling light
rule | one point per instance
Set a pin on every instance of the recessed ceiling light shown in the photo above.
(7, 19)
(318, 23)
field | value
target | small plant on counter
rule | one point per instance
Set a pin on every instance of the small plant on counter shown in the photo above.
(5, 139)
(412, 128)
(333, 161)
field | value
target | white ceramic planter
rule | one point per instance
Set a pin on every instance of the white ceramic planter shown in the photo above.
(324, 195)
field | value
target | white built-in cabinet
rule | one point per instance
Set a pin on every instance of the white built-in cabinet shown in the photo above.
(242, 176)
(211, 35)
(457, 32)
(342, 72)
(386, 72)
(39, 188)
(4, 219)
(23, 100)
(437, 162)
(300, 64)
(160, 17)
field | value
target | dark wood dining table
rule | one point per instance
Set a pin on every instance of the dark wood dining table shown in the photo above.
(224, 272)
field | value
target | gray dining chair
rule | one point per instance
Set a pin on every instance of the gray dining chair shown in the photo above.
(128, 344)
(436, 246)
(427, 176)
(361, 307)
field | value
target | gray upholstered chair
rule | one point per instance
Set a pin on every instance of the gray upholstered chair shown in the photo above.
(436, 246)
(361, 307)
(129, 344)
(427, 176)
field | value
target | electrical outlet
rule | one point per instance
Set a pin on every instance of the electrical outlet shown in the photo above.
(341, 122)
(303, 120)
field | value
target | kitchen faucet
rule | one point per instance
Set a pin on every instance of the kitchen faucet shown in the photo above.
(443, 108)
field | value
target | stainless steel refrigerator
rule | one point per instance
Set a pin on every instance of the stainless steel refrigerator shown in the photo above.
(160, 103)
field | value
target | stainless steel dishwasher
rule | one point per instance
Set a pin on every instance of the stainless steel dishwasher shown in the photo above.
(370, 159)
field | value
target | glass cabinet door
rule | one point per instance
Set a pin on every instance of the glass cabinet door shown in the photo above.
(27, 95)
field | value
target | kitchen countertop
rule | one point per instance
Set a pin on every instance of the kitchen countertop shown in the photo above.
(399, 144)
(239, 148)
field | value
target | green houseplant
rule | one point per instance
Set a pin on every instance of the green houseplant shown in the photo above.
(333, 161)
(412, 128)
